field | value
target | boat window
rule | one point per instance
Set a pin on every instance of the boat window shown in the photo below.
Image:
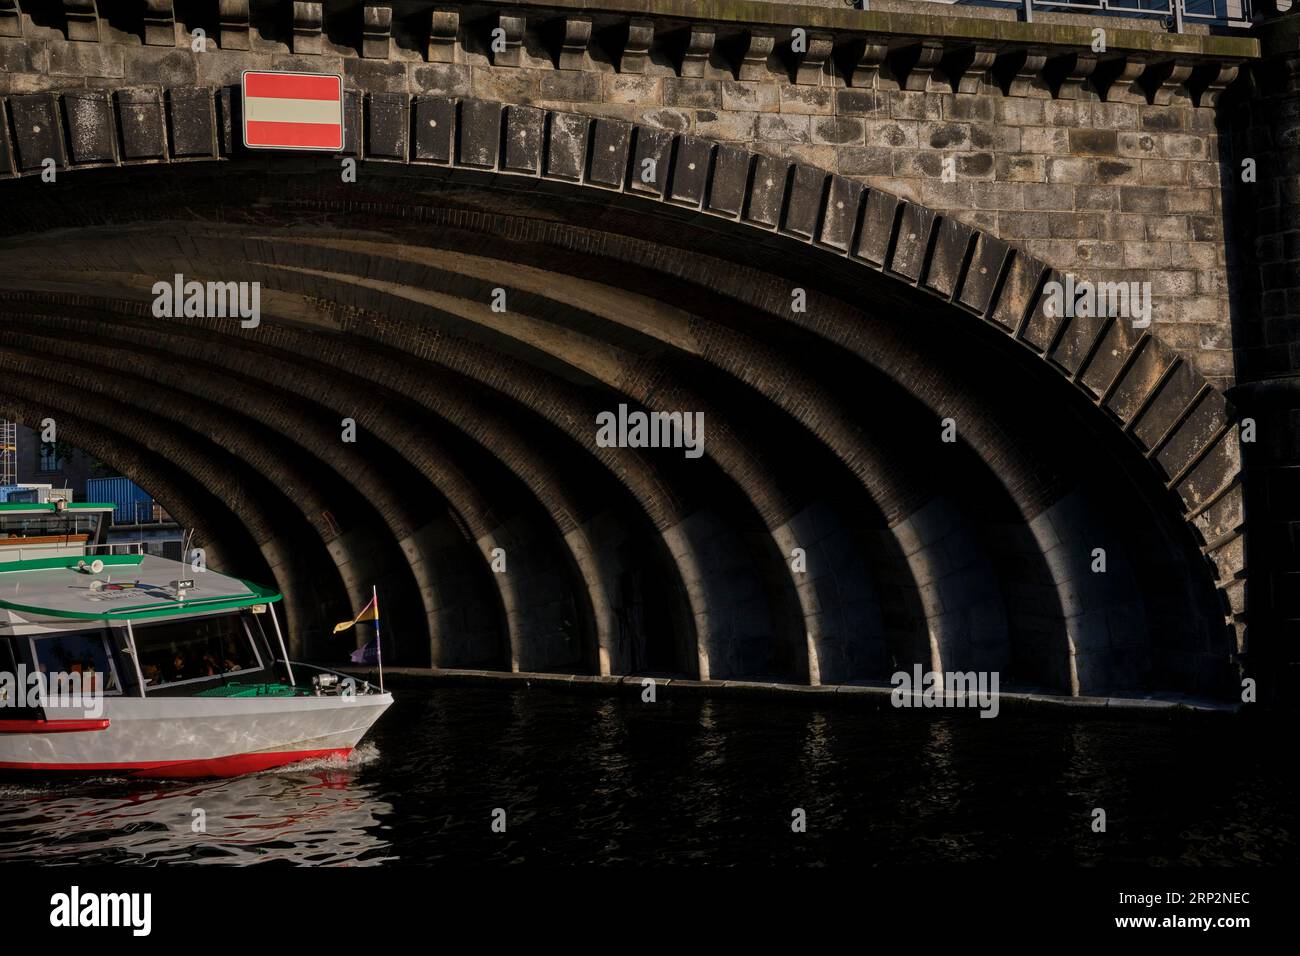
(194, 648)
(78, 652)
(78, 524)
(12, 695)
(263, 636)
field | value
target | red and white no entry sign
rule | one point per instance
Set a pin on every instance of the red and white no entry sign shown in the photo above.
(293, 111)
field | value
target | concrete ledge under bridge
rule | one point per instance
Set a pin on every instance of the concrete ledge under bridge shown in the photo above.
(875, 694)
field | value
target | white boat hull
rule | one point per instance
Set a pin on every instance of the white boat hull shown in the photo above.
(186, 737)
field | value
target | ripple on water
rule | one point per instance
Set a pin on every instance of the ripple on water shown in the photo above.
(696, 781)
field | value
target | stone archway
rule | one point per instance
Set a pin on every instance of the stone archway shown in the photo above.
(579, 219)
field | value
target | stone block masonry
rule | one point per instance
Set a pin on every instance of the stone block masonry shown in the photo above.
(1104, 165)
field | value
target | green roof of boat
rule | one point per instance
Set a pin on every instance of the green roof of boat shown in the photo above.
(131, 587)
(51, 506)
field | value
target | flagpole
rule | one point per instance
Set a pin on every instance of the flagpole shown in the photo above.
(379, 647)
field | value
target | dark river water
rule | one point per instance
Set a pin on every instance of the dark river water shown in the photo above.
(598, 779)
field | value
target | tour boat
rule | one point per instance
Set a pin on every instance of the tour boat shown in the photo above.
(134, 664)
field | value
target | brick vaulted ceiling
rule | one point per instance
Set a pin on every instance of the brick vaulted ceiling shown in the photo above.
(476, 427)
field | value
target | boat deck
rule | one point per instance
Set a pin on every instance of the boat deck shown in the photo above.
(135, 586)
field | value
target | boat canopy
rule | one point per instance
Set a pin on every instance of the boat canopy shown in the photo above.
(119, 587)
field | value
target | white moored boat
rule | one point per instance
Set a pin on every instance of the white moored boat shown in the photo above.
(139, 665)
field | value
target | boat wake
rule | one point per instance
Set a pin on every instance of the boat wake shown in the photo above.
(362, 756)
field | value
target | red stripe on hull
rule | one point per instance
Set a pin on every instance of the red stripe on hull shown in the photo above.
(51, 726)
(269, 134)
(232, 766)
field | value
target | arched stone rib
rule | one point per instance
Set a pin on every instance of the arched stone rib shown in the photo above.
(394, 425)
(788, 388)
(1199, 481)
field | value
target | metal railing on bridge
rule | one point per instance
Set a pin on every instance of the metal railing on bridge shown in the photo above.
(1176, 13)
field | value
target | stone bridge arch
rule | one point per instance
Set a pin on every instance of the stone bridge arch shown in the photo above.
(658, 291)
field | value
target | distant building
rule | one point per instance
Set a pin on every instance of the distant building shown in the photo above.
(51, 463)
(37, 471)
(137, 518)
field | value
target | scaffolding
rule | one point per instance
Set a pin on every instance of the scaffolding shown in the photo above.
(8, 453)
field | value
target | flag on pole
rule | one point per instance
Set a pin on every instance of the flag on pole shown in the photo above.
(372, 653)
(368, 613)
(379, 647)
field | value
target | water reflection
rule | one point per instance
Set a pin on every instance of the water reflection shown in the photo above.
(691, 780)
(314, 812)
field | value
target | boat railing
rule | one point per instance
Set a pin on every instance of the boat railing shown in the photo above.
(365, 687)
(1176, 14)
(122, 547)
(58, 549)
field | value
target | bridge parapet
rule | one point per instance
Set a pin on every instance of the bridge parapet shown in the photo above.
(891, 46)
